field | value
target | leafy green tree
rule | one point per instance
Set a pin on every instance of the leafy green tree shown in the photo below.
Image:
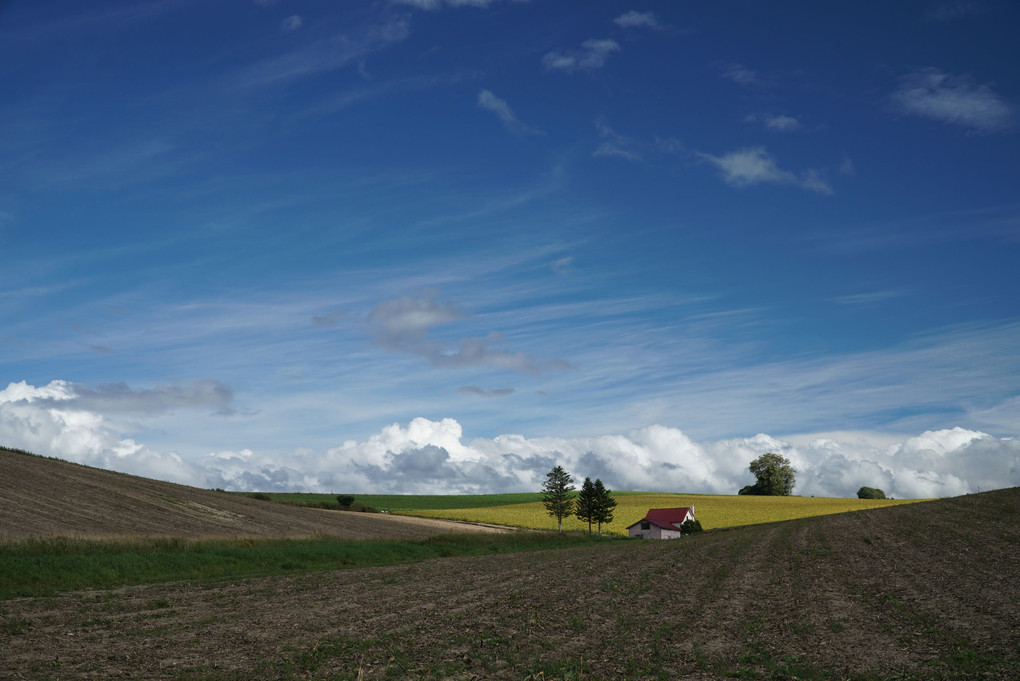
(690, 527)
(557, 495)
(345, 501)
(586, 504)
(605, 504)
(870, 493)
(776, 477)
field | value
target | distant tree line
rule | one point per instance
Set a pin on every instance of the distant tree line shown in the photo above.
(594, 504)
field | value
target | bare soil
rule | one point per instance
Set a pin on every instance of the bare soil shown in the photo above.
(41, 497)
(926, 591)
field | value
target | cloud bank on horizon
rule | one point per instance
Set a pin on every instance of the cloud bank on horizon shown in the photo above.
(438, 245)
(432, 457)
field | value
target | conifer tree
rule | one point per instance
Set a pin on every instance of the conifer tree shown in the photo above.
(557, 496)
(605, 504)
(587, 503)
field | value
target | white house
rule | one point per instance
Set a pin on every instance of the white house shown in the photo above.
(661, 523)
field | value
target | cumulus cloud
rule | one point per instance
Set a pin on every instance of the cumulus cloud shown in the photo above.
(592, 55)
(754, 165)
(635, 19)
(403, 325)
(502, 110)
(931, 93)
(427, 456)
(55, 420)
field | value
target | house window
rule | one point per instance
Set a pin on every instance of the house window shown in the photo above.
(645, 526)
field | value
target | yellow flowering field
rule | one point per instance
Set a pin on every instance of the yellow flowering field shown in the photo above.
(712, 510)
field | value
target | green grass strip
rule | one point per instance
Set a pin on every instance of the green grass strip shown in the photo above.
(42, 567)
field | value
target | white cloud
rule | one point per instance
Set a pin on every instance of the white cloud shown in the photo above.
(292, 23)
(51, 420)
(753, 165)
(614, 144)
(931, 93)
(403, 325)
(502, 110)
(430, 5)
(782, 123)
(955, 9)
(427, 456)
(482, 392)
(635, 19)
(592, 55)
(321, 57)
(739, 73)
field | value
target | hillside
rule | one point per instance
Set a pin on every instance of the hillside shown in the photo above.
(921, 591)
(43, 497)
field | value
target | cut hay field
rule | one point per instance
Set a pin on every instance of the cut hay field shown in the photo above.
(713, 511)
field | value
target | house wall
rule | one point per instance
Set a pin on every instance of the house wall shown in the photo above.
(654, 532)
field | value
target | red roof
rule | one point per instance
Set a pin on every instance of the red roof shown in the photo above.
(667, 518)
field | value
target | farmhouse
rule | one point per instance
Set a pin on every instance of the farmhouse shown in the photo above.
(661, 523)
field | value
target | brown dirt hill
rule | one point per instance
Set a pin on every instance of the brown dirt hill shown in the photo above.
(920, 591)
(42, 497)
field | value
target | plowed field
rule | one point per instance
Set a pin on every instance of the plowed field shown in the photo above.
(42, 497)
(927, 590)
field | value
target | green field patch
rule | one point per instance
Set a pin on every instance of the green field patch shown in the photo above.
(40, 567)
(714, 511)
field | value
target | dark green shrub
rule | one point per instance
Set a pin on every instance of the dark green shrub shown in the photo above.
(345, 500)
(691, 526)
(870, 493)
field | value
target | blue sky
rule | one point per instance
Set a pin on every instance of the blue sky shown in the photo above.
(440, 245)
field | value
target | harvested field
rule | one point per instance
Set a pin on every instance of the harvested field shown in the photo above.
(42, 497)
(927, 591)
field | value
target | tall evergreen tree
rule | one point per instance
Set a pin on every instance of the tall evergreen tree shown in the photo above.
(557, 495)
(605, 504)
(587, 503)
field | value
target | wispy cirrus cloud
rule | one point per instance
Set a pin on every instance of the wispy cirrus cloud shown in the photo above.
(292, 23)
(778, 123)
(957, 100)
(404, 325)
(439, 4)
(636, 19)
(614, 144)
(481, 392)
(754, 165)
(321, 56)
(592, 55)
(739, 73)
(499, 107)
(955, 9)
